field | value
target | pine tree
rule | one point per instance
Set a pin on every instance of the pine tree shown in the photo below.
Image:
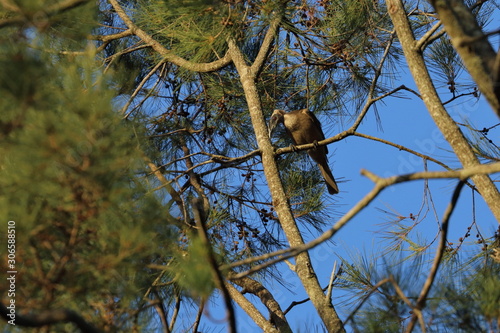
(137, 166)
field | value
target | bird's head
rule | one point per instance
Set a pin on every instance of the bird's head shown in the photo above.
(276, 118)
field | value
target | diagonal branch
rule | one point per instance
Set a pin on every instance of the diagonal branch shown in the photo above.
(422, 298)
(256, 288)
(166, 53)
(380, 185)
(472, 45)
(250, 309)
(218, 277)
(439, 114)
(265, 48)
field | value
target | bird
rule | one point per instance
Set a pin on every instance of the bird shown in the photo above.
(303, 127)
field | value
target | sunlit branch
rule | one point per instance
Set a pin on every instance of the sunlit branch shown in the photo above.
(166, 53)
(333, 275)
(380, 185)
(472, 44)
(265, 48)
(424, 41)
(400, 147)
(109, 60)
(106, 39)
(267, 299)
(250, 309)
(419, 70)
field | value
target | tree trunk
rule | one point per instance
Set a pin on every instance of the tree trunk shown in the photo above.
(444, 122)
(303, 266)
(473, 47)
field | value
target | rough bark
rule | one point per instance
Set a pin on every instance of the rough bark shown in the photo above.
(473, 47)
(250, 309)
(303, 266)
(248, 75)
(444, 122)
(256, 288)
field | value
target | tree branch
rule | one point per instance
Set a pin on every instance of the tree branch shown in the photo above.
(422, 298)
(444, 122)
(250, 309)
(164, 52)
(50, 317)
(265, 48)
(256, 288)
(380, 185)
(199, 216)
(472, 45)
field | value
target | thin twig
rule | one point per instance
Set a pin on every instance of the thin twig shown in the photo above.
(422, 298)
(139, 87)
(198, 316)
(332, 278)
(372, 290)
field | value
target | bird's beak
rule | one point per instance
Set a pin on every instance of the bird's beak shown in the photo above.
(272, 125)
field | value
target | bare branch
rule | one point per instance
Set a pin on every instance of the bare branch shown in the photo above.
(426, 38)
(256, 288)
(139, 87)
(422, 298)
(264, 49)
(332, 279)
(380, 185)
(250, 309)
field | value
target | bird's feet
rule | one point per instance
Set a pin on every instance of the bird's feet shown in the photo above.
(293, 147)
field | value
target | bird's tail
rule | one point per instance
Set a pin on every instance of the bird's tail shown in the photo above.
(330, 181)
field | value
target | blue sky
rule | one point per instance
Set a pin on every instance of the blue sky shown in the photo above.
(406, 122)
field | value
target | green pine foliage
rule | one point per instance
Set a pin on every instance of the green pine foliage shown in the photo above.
(84, 221)
(101, 232)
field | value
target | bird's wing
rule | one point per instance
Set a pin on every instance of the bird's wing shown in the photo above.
(317, 124)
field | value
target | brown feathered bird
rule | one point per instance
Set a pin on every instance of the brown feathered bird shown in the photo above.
(303, 127)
